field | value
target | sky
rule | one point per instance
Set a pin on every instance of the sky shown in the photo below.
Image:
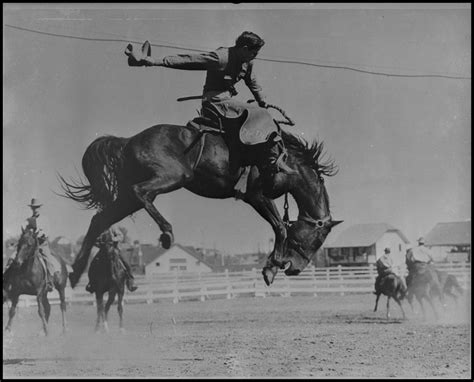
(402, 144)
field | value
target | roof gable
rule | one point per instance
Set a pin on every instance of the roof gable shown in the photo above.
(364, 235)
(454, 233)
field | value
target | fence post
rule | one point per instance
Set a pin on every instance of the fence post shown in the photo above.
(149, 294)
(257, 291)
(229, 286)
(341, 285)
(175, 291)
(314, 283)
(203, 287)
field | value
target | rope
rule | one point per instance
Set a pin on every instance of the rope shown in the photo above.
(287, 121)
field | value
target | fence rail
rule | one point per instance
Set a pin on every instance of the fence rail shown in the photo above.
(203, 286)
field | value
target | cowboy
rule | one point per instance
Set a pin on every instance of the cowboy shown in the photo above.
(116, 236)
(420, 254)
(385, 267)
(225, 67)
(42, 230)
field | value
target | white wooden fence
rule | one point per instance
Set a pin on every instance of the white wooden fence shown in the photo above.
(194, 286)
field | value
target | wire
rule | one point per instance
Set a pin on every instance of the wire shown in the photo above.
(260, 59)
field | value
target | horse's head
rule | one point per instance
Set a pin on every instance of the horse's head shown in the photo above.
(306, 235)
(26, 246)
(303, 242)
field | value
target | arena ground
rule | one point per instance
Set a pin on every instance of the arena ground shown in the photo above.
(292, 337)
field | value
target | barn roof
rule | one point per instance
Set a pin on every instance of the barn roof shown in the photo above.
(454, 233)
(363, 235)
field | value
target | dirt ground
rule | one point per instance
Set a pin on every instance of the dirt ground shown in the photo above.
(297, 337)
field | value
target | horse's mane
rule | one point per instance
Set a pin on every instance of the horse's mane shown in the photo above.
(310, 154)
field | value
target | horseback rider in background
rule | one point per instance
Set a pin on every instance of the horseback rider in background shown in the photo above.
(385, 267)
(115, 235)
(42, 231)
(225, 67)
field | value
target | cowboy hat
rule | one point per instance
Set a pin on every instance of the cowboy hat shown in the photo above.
(35, 203)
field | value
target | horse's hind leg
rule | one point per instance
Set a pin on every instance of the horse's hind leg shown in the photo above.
(161, 184)
(109, 302)
(11, 313)
(116, 211)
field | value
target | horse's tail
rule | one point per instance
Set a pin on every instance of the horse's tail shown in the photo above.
(101, 163)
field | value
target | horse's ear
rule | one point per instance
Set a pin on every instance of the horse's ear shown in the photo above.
(335, 222)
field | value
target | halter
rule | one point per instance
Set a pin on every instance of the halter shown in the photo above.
(318, 223)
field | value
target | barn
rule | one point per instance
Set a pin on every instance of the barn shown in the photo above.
(177, 258)
(363, 244)
(450, 242)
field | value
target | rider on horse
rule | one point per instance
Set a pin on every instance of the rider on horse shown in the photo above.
(225, 67)
(420, 256)
(115, 235)
(42, 235)
(385, 267)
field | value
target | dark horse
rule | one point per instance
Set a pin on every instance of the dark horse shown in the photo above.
(126, 174)
(423, 283)
(27, 275)
(392, 287)
(106, 274)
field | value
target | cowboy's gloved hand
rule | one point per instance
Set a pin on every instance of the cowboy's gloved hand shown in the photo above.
(149, 61)
(262, 104)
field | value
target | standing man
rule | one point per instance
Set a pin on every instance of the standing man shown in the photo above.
(225, 67)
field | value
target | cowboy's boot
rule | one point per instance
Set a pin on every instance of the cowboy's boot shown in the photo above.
(274, 161)
(132, 59)
(89, 288)
(132, 287)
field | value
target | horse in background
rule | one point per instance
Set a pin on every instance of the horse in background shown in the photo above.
(392, 287)
(106, 274)
(27, 275)
(423, 283)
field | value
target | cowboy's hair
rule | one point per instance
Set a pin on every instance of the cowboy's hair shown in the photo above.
(250, 39)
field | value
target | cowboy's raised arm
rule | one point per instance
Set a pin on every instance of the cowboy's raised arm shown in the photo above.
(251, 81)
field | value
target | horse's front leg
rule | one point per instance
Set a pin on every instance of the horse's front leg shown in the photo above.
(173, 177)
(42, 311)
(388, 307)
(376, 302)
(11, 312)
(267, 209)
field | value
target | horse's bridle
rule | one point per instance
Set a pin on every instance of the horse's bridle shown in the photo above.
(296, 245)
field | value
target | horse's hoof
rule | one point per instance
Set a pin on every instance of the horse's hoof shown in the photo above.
(166, 239)
(268, 276)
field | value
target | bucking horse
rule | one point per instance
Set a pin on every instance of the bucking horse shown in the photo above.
(126, 174)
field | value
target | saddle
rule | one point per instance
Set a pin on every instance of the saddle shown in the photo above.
(255, 125)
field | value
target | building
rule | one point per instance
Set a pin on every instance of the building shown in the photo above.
(177, 258)
(450, 242)
(363, 244)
